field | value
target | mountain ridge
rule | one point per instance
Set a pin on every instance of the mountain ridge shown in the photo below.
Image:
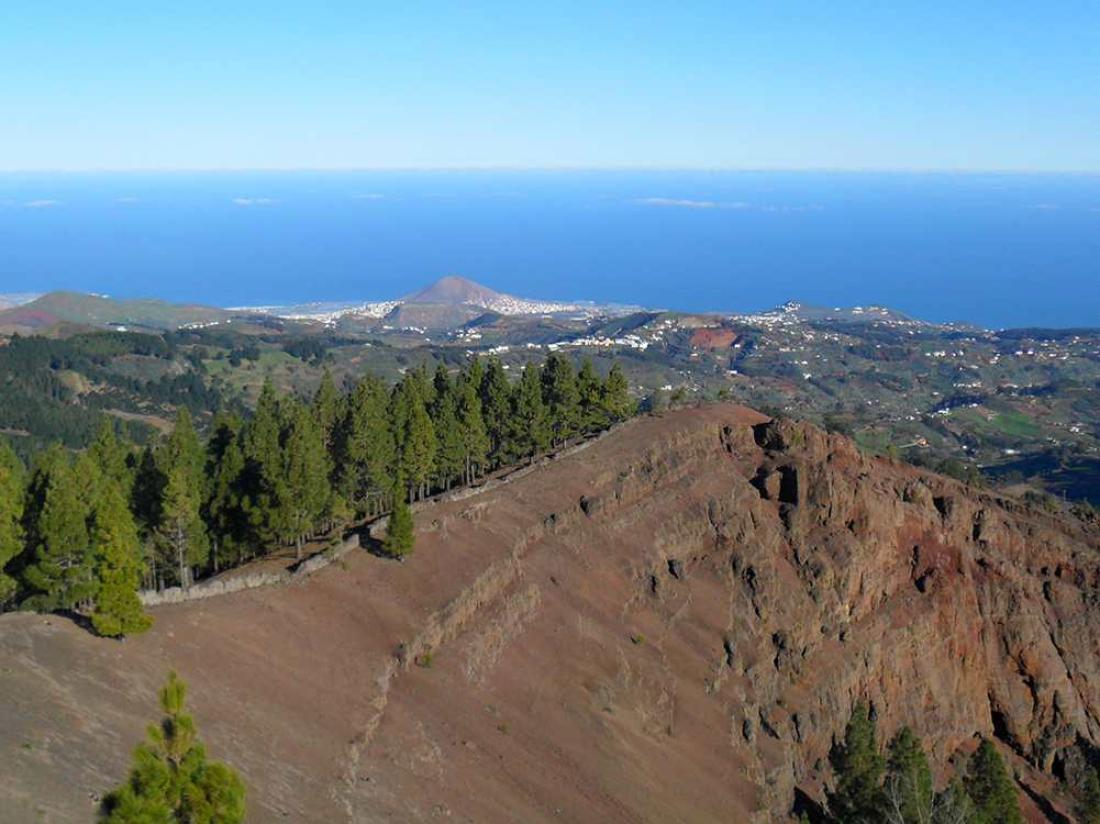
(672, 624)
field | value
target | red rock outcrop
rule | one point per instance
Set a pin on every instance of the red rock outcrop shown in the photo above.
(672, 624)
(714, 338)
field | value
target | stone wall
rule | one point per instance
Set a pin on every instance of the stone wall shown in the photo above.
(236, 583)
(377, 528)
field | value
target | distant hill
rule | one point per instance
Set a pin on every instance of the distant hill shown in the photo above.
(457, 291)
(16, 299)
(58, 308)
(445, 305)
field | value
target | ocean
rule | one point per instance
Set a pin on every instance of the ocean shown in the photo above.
(993, 249)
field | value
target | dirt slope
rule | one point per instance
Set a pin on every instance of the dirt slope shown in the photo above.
(670, 625)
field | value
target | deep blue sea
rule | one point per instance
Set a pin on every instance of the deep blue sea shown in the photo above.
(999, 250)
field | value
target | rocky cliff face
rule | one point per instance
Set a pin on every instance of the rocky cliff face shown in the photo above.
(672, 624)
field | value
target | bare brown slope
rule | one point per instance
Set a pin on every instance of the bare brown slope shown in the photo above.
(455, 290)
(670, 625)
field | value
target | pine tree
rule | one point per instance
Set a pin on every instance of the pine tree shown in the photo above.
(181, 534)
(471, 424)
(306, 474)
(616, 400)
(263, 490)
(182, 450)
(474, 375)
(559, 393)
(60, 574)
(12, 490)
(991, 788)
(148, 489)
(111, 456)
(367, 452)
(530, 419)
(223, 510)
(450, 455)
(171, 779)
(591, 414)
(858, 767)
(496, 410)
(415, 436)
(117, 566)
(423, 384)
(908, 789)
(399, 531)
(327, 409)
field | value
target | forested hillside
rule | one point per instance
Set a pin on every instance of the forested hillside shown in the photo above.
(57, 389)
(84, 531)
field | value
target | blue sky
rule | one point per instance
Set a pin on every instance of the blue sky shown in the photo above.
(850, 85)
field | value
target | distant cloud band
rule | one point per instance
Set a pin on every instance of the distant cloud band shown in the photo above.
(736, 205)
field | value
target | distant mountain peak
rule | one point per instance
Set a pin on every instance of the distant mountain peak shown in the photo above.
(455, 290)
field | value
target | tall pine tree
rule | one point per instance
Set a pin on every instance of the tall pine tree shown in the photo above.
(415, 436)
(530, 419)
(263, 490)
(181, 534)
(496, 410)
(61, 572)
(112, 456)
(616, 400)
(471, 425)
(182, 450)
(306, 474)
(450, 454)
(367, 450)
(559, 392)
(223, 510)
(117, 565)
(327, 409)
(591, 415)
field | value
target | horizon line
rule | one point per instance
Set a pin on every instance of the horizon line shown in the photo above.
(564, 168)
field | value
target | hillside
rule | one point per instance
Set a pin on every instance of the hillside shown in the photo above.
(56, 308)
(670, 625)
